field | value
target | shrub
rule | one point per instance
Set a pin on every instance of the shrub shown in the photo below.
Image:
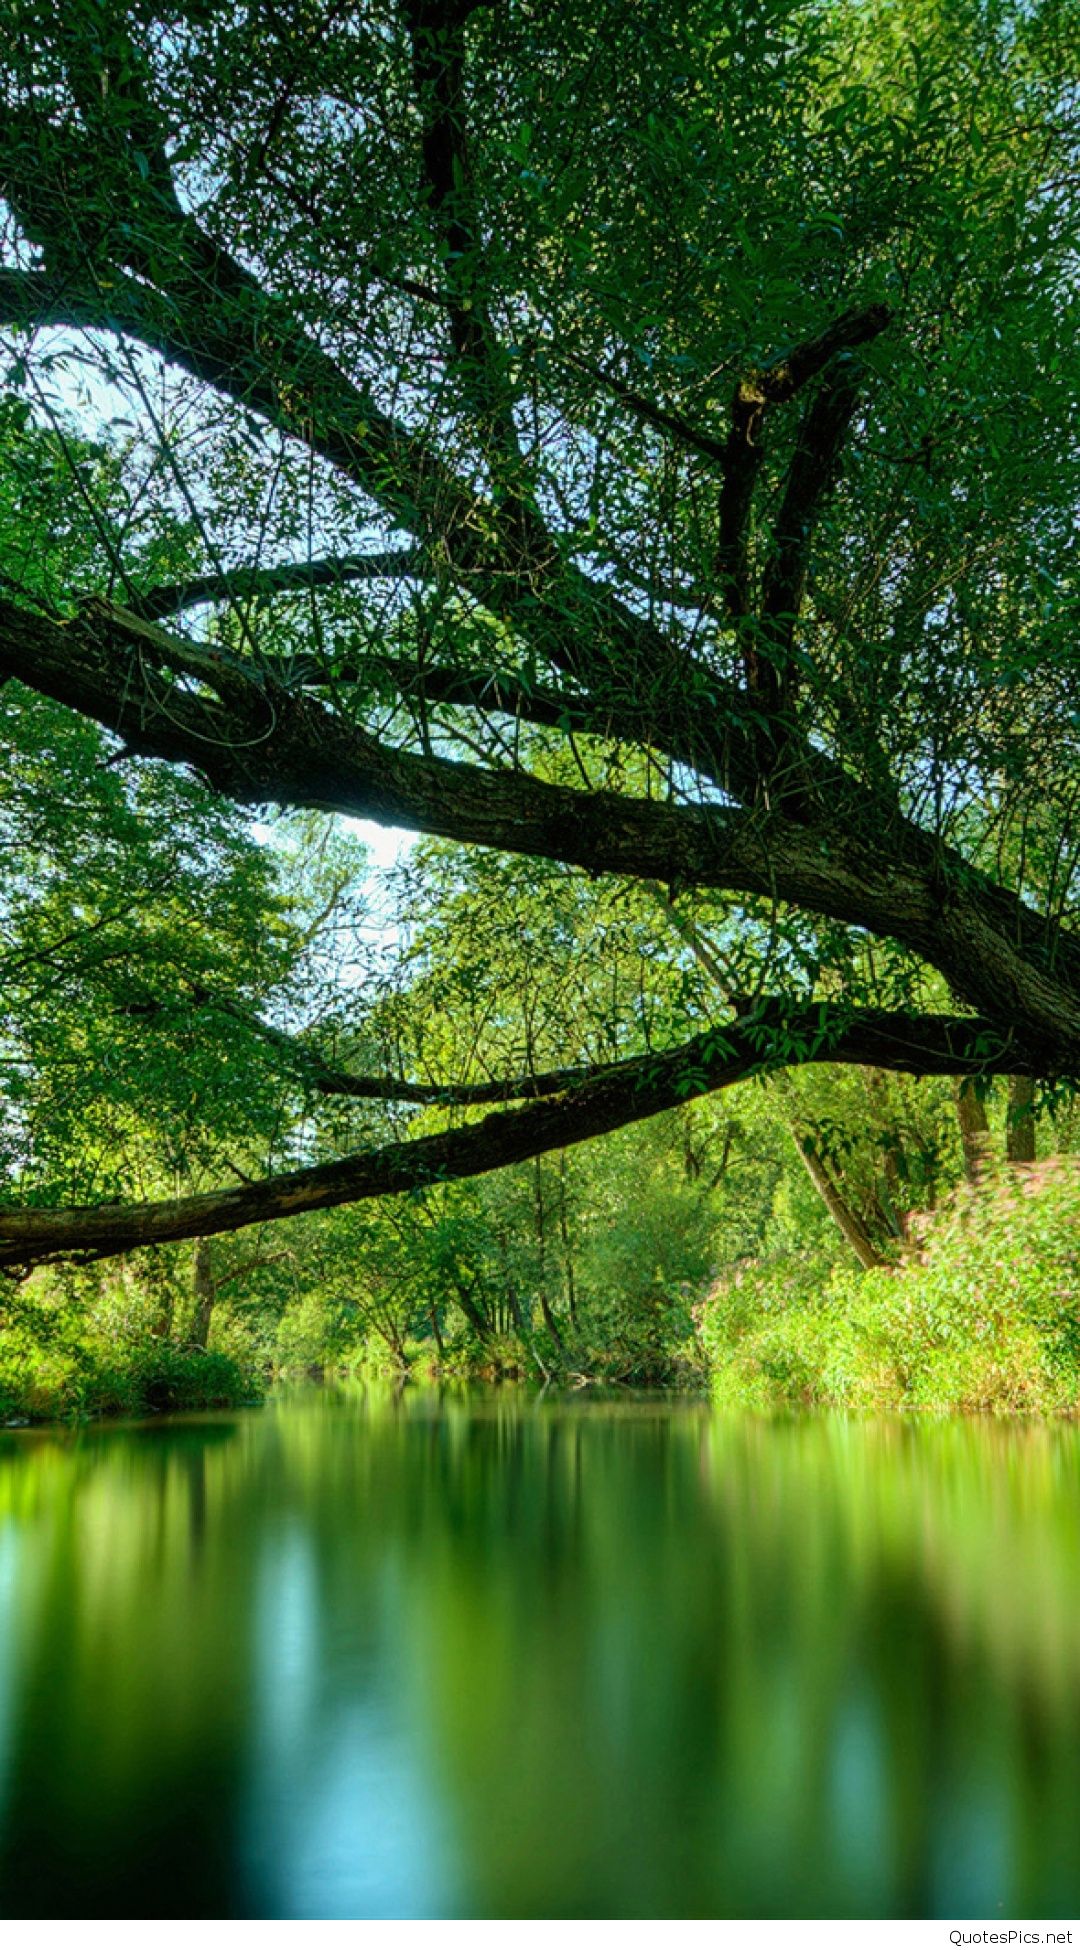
(983, 1315)
(76, 1375)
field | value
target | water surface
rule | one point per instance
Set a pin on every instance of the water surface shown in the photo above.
(499, 1656)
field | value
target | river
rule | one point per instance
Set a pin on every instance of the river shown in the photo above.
(499, 1655)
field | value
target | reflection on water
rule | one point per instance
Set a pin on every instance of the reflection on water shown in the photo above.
(497, 1656)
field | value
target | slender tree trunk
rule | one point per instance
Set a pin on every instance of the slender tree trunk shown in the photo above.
(480, 1326)
(1020, 1131)
(848, 1221)
(205, 1292)
(433, 1315)
(974, 1131)
(509, 1289)
(567, 1246)
(515, 1307)
(541, 1239)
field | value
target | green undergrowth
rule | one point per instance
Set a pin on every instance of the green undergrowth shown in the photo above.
(69, 1374)
(982, 1314)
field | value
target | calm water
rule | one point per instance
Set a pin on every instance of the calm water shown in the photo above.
(498, 1657)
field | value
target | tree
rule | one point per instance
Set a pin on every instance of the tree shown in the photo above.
(634, 439)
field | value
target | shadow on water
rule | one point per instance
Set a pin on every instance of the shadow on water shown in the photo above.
(488, 1655)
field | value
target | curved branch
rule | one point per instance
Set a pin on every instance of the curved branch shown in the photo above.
(329, 1081)
(777, 382)
(623, 1094)
(260, 744)
(785, 377)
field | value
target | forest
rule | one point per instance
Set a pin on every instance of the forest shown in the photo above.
(540, 699)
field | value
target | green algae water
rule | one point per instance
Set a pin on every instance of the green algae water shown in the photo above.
(501, 1656)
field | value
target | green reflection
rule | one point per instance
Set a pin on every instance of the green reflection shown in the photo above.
(500, 1656)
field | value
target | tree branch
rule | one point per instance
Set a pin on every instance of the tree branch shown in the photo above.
(787, 376)
(329, 1081)
(811, 478)
(625, 1093)
(260, 744)
(436, 31)
(744, 450)
(282, 579)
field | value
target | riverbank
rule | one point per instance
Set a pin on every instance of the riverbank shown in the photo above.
(70, 1378)
(979, 1314)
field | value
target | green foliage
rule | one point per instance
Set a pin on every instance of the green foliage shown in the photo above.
(316, 1331)
(58, 1364)
(301, 348)
(981, 1317)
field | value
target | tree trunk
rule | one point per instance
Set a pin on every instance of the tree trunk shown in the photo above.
(567, 1244)
(848, 1221)
(1020, 1131)
(974, 1130)
(541, 1239)
(481, 1327)
(158, 1282)
(205, 1292)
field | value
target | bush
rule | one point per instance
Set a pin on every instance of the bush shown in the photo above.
(983, 1316)
(74, 1376)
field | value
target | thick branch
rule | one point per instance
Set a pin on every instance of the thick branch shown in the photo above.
(811, 477)
(260, 744)
(787, 376)
(744, 450)
(625, 1093)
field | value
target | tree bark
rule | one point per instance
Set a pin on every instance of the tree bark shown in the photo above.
(848, 1221)
(974, 1131)
(893, 1162)
(1020, 1146)
(205, 1291)
(550, 1321)
(567, 1244)
(479, 1322)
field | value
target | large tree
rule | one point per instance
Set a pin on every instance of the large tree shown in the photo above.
(637, 438)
